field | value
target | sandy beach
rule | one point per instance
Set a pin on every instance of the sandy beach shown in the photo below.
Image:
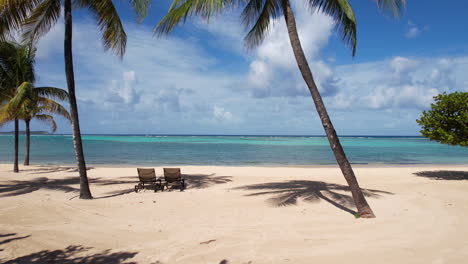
(235, 215)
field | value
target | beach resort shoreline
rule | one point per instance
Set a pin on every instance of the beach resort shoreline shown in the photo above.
(235, 214)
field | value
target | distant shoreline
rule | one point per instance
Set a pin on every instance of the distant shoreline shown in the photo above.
(22, 132)
(209, 135)
(324, 166)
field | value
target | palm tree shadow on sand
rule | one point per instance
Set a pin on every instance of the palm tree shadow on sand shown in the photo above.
(446, 175)
(71, 184)
(290, 192)
(202, 181)
(40, 169)
(72, 255)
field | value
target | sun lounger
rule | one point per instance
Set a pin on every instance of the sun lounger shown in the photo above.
(147, 180)
(172, 176)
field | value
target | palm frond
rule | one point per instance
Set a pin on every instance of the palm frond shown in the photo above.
(6, 115)
(259, 13)
(48, 119)
(141, 8)
(183, 9)
(394, 6)
(47, 105)
(23, 92)
(51, 92)
(342, 12)
(113, 33)
(41, 20)
(13, 13)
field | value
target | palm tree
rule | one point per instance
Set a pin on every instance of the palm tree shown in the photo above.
(16, 66)
(36, 17)
(257, 14)
(34, 103)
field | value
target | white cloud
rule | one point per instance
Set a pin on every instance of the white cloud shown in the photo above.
(175, 85)
(414, 30)
(220, 114)
(274, 71)
(399, 83)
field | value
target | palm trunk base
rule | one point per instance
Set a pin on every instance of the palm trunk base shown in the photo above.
(366, 212)
(86, 196)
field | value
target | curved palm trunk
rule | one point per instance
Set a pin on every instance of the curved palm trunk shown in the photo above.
(15, 165)
(85, 193)
(28, 142)
(359, 199)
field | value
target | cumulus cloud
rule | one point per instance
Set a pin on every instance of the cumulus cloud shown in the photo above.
(220, 114)
(401, 82)
(414, 30)
(122, 92)
(274, 71)
(175, 85)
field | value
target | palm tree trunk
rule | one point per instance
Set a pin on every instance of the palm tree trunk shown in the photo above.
(28, 142)
(362, 206)
(15, 165)
(85, 193)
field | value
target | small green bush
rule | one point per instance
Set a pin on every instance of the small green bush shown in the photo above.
(447, 120)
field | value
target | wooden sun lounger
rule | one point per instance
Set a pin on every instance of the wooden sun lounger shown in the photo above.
(147, 180)
(172, 176)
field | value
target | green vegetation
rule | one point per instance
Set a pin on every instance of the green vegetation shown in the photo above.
(36, 17)
(16, 67)
(26, 102)
(34, 103)
(447, 121)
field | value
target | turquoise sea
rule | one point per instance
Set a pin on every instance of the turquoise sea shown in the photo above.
(233, 150)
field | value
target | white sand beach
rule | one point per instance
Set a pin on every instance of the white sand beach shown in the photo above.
(235, 215)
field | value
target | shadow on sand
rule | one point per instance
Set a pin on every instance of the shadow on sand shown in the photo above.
(73, 255)
(11, 237)
(444, 175)
(201, 181)
(52, 169)
(289, 192)
(71, 184)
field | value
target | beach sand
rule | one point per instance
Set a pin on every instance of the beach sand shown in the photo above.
(235, 215)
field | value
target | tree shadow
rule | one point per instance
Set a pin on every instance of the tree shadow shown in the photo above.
(69, 184)
(289, 192)
(201, 181)
(8, 240)
(447, 175)
(52, 169)
(74, 255)
(6, 235)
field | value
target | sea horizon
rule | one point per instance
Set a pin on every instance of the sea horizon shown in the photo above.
(233, 150)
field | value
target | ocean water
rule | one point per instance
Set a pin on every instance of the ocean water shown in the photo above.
(233, 150)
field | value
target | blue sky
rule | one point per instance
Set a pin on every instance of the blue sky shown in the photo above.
(201, 79)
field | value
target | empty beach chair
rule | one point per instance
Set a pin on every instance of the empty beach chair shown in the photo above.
(147, 180)
(172, 176)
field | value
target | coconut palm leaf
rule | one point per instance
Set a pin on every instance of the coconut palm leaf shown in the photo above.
(12, 15)
(394, 6)
(141, 8)
(183, 9)
(343, 15)
(48, 119)
(23, 92)
(108, 20)
(51, 92)
(45, 105)
(41, 20)
(259, 13)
